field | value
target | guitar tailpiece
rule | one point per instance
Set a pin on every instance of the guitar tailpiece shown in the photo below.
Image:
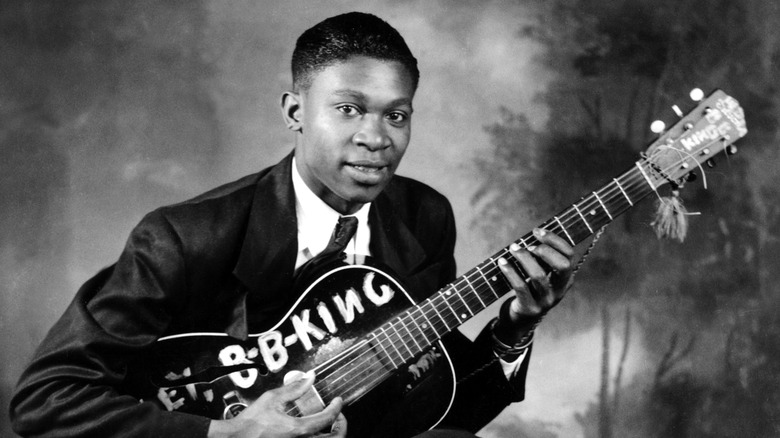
(233, 405)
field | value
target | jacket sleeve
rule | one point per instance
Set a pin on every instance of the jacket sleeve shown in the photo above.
(72, 386)
(482, 388)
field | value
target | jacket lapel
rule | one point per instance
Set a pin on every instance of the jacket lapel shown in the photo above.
(267, 258)
(392, 242)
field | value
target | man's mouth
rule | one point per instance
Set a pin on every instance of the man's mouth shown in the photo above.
(367, 167)
(368, 172)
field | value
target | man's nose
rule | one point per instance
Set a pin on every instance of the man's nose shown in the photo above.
(372, 134)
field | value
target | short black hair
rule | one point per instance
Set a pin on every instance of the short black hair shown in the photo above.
(338, 38)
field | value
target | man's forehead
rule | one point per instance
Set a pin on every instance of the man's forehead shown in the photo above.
(364, 78)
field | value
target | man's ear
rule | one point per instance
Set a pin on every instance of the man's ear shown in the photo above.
(292, 111)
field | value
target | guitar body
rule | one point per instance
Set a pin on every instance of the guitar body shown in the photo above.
(331, 329)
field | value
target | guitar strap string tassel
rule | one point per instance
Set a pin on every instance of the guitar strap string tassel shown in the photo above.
(670, 217)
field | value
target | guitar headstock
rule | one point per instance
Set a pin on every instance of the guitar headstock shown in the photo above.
(711, 127)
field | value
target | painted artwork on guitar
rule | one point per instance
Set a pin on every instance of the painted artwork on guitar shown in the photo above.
(356, 327)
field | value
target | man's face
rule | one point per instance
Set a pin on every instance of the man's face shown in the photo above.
(355, 123)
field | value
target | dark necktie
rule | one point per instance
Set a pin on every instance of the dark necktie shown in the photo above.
(342, 234)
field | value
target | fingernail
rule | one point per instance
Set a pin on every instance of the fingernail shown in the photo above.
(532, 248)
(540, 232)
(298, 376)
(514, 247)
(502, 261)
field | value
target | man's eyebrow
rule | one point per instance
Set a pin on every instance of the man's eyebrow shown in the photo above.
(354, 94)
(360, 96)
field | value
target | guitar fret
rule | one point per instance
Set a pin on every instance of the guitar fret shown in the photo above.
(473, 289)
(448, 292)
(411, 335)
(441, 317)
(624, 192)
(603, 206)
(387, 353)
(464, 316)
(444, 321)
(479, 268)
(647, 178)
(564, 231)
(423, 326)
(429, 330)
(401, 340)
(433, 327)
(392, 344)
(583, 219)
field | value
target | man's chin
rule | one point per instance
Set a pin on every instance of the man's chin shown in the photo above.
(364, 194)
(364, 197)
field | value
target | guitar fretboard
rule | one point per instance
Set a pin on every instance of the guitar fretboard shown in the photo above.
(415, 330)
(418, 328)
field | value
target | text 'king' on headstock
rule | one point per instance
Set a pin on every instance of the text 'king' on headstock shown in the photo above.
(715, 123)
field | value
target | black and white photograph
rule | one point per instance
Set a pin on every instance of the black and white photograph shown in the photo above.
(428, 219)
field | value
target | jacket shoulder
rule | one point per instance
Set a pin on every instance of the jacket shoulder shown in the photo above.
(219, 202)
(414, 201)
(214, 221)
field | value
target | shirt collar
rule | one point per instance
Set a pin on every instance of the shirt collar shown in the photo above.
(316, 221)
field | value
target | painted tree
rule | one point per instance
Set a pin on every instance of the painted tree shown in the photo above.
(620, 65)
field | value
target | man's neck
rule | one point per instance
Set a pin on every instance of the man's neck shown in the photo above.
(340, 205)
(304, 191)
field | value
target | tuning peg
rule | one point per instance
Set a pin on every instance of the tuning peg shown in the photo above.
(691, 177)
(658, 126)
(696, 94)
(677, 111)
(710, 163)
(731, 150)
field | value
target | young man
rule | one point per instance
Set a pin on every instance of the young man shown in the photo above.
(226, 261)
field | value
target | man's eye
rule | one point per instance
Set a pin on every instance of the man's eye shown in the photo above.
(347, 110)
(397, 117)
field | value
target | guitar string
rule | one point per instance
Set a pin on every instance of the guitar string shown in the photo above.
(482, 286)
(590, 207)
(478, 291)
(415, 320)
(404, 338)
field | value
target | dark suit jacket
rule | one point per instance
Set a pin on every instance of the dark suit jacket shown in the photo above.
(223, 262)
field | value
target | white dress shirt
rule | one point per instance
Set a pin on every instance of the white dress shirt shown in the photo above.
(316, 221)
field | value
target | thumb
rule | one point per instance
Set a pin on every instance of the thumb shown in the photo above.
(296, 384)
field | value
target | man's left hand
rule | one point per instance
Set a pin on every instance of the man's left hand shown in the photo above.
(548, 268)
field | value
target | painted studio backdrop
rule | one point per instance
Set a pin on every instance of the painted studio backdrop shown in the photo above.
(109, 109)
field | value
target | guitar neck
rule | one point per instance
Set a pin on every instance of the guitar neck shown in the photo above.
(416, 329)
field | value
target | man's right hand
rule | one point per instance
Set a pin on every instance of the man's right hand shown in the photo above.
(266, 417)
